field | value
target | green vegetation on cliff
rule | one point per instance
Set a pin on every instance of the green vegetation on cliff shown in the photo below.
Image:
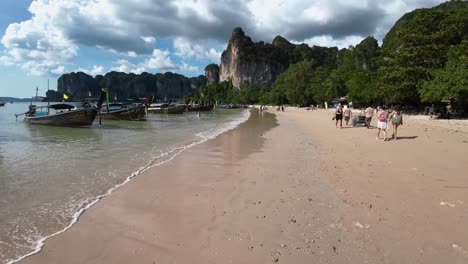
(423, 59)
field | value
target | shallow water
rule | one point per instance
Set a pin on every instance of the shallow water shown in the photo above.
(47, 174)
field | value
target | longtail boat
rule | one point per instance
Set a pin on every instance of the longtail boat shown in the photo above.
(63, 114)
(166, 108)
(120, 111)
(200, 108)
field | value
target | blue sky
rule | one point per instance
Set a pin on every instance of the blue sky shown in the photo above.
(41, 40)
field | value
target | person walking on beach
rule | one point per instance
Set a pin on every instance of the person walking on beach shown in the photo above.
(382, 123)
(449, 110)
(369, 114)
(347, 113)
(339, 116)
(431, 111)
(397, 120)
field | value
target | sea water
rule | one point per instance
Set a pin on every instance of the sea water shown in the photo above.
(50, 175)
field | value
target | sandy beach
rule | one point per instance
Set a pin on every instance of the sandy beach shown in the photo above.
(287, 187)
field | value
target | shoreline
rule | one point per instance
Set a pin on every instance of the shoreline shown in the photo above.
(302, 191)
(155, 162)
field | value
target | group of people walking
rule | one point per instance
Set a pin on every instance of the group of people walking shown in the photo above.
(384, 117)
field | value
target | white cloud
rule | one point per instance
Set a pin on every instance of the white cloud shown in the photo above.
(159, 61)
(96, 70)
(58, 71)
(126, 66)
(150, 40)
(186, 49)
(213, 55)
(132, 54)
(188, 68)
(52, 38)
(331, 42)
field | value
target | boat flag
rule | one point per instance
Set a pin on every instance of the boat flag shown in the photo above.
(65, 96)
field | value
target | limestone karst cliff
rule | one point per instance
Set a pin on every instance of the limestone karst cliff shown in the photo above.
(128, 85)
(259, 63)
(212, 73)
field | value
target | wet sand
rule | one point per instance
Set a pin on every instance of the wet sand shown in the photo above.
(289, 188)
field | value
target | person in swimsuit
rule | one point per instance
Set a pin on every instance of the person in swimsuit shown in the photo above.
(397, 120)
(339, 116)
(382, 123)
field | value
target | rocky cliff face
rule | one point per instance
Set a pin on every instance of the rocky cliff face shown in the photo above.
(246, 62)
(243, 62)
(128, 86)
(212, 73)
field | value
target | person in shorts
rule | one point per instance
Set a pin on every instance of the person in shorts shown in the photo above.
(339, 116)
(347, 114)
(397, 120)
(369, 114)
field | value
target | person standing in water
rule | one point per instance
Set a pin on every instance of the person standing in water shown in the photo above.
(397, 120)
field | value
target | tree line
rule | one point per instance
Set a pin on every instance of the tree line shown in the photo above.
(423, 60)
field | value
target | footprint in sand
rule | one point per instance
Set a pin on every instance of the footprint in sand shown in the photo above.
(460, 250)
(447, 204)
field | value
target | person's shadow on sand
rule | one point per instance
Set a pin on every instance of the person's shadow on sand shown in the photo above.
(412, 137)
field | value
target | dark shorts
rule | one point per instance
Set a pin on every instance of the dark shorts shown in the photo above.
(368, 119)
(339, 116)
(346, 118)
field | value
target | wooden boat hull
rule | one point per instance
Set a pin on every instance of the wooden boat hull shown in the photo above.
(131, 113)
(178, 109)
(200, 108)
(74, 118)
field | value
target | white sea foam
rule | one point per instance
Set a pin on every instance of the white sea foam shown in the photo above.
(156, 161)
(214, 132)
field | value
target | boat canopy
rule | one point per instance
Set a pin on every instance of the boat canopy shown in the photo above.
(61, 106)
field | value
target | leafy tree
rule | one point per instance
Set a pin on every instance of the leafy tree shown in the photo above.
(294, 82)
(362, 88)
(450, 83)
(416, 49)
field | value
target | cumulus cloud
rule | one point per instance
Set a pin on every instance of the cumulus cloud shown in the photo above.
(160, 60)
(213, 55)
(187, 49)
(52, 38)
(188, 68)
(329, 41)
(96, 70)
